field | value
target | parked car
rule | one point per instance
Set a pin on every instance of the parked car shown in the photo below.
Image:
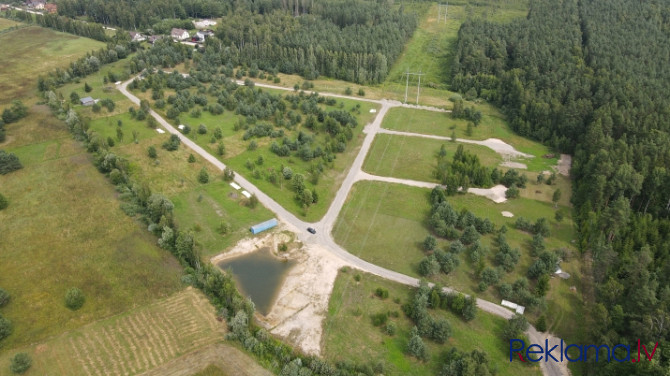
(311, 230)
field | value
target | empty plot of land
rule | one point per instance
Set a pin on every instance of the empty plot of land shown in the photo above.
(133, 342)
(415, 158)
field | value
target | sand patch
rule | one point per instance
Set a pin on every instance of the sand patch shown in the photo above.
(507, 214)
(496, 194)
(518, 165)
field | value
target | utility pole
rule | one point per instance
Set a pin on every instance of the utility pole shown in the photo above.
(418, 89)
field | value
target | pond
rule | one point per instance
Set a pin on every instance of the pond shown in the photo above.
(259, 275)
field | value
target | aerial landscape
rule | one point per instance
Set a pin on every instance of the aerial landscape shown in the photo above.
(335, 187)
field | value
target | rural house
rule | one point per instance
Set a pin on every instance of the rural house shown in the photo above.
(179, 34)
(88, 101)
(51, 8)
(136, 37)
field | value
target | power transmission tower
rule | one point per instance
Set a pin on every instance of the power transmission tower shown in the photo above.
(418, 88)
(442, 11)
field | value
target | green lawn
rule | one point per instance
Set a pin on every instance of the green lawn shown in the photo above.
(6, 24)
(350, 335)
(415, 158)
(493, 126)
(385, 224)
(30, 51)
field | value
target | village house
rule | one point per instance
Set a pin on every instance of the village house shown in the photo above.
(51, 8)
(36, 4)
(136, 37)
(201, 35)
(152, 39)
(179, 34)
(88, 101)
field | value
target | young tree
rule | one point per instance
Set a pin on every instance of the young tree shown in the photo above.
(348, 91)
(74, 298)
(558, 216)
(9, 162)
(540, 178)
(228, 174)
(191, 158)
(470, 235)
(3, 205)
(541, 324)
(74, 97)
(253, 201)
(4, 297)
(556, 197)
(512, 192)
(515, 327)
(20, 363)
(220, 149)
(429, 243)
(151, 151)
(203, 176)
(416, 347)
(5, 327)
(87, 87)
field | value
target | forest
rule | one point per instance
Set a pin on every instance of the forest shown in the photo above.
(590, 78)
(353, 40)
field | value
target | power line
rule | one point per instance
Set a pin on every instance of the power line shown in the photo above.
(418, 88)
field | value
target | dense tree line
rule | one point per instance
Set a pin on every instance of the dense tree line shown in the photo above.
(64, 24)
(584, 78)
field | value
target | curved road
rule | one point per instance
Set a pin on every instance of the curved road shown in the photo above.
(323, 236)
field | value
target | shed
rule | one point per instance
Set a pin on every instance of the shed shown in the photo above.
(87, 101)
(255, 229)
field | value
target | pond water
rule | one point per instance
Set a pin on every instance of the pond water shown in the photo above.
(259, 275)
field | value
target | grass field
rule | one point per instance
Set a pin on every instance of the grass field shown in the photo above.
(386, 223)
(6, 24)
(350, 335)
(415, 158)
(30, 51)
(492, 126)
(129, 343)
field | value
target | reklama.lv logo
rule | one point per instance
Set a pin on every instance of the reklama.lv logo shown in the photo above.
(546, 352)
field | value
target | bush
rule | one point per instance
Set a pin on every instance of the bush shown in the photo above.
(4, 297)
(172, 144)
(541, 324)
(9, 162)
(361, 92)
(3, 205)
(74, 298)
(429, 243)
(379, 319)
(191, 158)
(416, 347)
(382, 293)
(203, 176)
(348, 91)
(202, 129)
(20, 363)
(391, 328)
(151, 151)
(5, 327)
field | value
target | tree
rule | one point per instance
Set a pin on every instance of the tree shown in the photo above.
(556, 197)
(416, 347)
(512, 192)
(537, 245)
(541, 324)
(558, 216)
(20, 363)
(429, 243)
(151, 151)
(540, 178)
(468, 130)
(220, 149)
(429, 266)
(191, 158)
(87, 87)
(361, 92)
(203, 176)
(224, 227)
(470, 235)
(348, 91)
(5, 327)
(253, 201)
(3, 205)
(4, 297)
(228, 174)
(542, 285)
(74, 97)
(74, 298)
(515, 327)
(9, 162)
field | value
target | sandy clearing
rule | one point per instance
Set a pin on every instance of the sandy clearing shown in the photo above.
(564, 164)
(507, 214)
(514, 165)
(496, 194)
(302, 301)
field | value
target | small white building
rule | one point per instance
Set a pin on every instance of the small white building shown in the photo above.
(517, 308)
(136, 37)
(88, 101)
(179, 34)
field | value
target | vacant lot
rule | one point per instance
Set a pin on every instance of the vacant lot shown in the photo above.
(130, 343)
(415, 158)
(350, 335)
(385, 224)
(30, 51)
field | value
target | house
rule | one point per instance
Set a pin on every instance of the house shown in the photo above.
(203, 24)
(201, 35)
(88, 101)
(51, 8)
(179, 34)
(136, 37)
(36, 4)
(4, 7)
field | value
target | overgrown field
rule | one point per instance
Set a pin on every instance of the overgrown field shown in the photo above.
(386, 224)
(130, 343)
(351, 336)
(63, 226)
(31, 51)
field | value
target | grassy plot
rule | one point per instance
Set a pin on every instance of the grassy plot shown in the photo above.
(386, 223)
(6, 24)
(204, 209)
(493, 126)
(30, 51)
(350, 335)
(415, 158)
(63, 228)
(130, 343)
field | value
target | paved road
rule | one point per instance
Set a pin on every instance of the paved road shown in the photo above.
(324, 227)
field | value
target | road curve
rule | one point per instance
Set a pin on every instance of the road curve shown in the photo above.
(323, 237)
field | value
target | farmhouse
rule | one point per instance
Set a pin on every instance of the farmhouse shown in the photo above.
(201, 35)
(87, 101)
(179, 34)
(154, 38)
(51, 8)
(36, 4)
(136, 37)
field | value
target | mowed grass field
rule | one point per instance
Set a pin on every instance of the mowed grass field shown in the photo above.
(415, 158)
(6, 24)
(349, 334)
(386, 223)
(130, 343)
(31, 51)
(63, 226)
(493, 125)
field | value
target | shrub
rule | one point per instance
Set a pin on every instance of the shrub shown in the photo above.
(382, 293)
(429, 243)
(348, 91)
(5, 327)
(9, 162)
(4, 297)
(361, 92)
(151, 151)
(3, 205)
(20, 363)
(541, 324)
(391, 328)
(202, 129)
(74, 298)
(203, 176)
(379, 319)
(191, 158)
